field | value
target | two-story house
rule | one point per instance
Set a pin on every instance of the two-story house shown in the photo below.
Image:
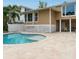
(58, 18)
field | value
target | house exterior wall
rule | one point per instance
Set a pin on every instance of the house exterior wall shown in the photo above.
(43, 17)
(57, 16)
(72, 17)
(53, 17)
(53, 20)
(22, 18)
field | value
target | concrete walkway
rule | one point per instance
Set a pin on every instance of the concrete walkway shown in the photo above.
(56, 46)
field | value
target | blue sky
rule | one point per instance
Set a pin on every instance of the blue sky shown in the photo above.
(32, 3)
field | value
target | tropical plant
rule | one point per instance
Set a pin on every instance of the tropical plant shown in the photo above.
(42, 4)
(5, 18)
(9, 15)
(14, 11)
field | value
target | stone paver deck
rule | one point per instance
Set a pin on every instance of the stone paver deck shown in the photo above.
(56, 46)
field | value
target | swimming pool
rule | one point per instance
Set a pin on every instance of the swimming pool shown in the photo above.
(17, 38)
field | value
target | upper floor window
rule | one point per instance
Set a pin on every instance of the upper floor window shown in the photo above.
(69, 9)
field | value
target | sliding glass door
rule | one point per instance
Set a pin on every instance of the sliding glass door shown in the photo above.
(65, 25)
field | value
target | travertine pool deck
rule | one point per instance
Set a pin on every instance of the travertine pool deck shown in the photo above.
(56, 46)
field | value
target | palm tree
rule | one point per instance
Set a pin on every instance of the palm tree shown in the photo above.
(5, 18)
(9, 14)
(14, 11)
(42, 4)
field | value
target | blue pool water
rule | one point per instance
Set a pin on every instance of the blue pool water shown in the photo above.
(21, 38)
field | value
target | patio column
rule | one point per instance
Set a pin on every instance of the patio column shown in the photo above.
(50, 30)
(60, 25)
(33, 17)
(70, 25)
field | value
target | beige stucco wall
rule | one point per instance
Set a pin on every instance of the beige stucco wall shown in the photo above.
(53, 17)
(72, 17)
(58, 16)
(43, 16)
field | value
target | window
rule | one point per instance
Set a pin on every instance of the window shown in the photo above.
(69, 9)
(36, 16)
(63, 11)
(30, 17)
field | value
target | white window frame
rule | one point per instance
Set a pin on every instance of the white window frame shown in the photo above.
(33, 18)
(37, 16)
